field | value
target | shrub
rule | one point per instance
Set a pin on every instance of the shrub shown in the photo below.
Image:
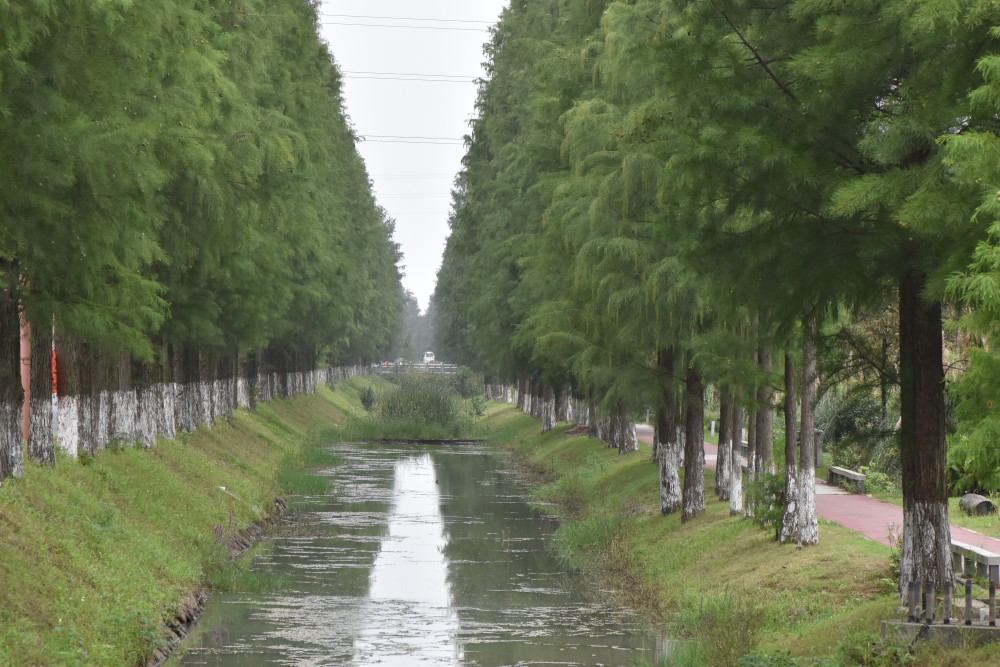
(724, 626)
(367, 396)
(856, 433)
(766, 498)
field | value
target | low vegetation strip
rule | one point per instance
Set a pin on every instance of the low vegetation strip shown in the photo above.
(721, 584)
(98, 556)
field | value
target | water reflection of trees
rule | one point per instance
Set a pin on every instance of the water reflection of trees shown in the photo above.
(513, 600)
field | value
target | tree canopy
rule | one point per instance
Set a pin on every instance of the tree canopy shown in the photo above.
(185, 173)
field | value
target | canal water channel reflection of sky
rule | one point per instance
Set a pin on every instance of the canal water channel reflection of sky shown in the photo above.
(409, 579)
(416, 557)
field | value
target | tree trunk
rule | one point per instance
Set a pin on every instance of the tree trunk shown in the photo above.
(725, 444)
(41, 446)
(736, 458)
(624, 428)
(765, 417)
(750, 499)
(790, 520)
(926, 546)
(808, 520)
(668, 449)
(694, 445)
(564, 404)
(11, 449)
(548, 409)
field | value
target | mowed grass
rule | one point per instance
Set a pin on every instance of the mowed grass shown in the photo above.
(95, 557)
(719, 583)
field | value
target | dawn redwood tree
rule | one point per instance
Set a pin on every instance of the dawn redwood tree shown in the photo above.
(821, 122)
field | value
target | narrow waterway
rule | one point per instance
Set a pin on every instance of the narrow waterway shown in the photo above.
(417, 557)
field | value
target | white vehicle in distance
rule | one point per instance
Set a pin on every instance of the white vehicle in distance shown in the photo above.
(428, 357)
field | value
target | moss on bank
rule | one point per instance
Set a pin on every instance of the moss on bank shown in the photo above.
(718, 581)
(96, 555)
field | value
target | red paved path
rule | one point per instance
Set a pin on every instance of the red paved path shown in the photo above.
(863, 514)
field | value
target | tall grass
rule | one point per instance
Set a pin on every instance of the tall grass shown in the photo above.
(95, 558)
(418, 407)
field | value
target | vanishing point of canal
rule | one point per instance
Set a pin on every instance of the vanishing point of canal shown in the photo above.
(424, 556)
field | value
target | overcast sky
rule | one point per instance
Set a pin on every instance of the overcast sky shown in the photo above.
(408, 71)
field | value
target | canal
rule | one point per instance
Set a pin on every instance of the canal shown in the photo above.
(417, 557)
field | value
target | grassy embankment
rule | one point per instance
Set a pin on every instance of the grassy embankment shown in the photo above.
(719, 581)
(95, 555)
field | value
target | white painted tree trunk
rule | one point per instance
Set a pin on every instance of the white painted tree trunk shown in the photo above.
(166, 423)
(548, 408)
(124, 407)
(736, 463)
(242, 393)
(40, 417)
(68, 430)
(102, 433)
(808, 520)
(925, 551)
(668, 452)
(723, 467)
(10, 437)
(790, 529)
(149, 405)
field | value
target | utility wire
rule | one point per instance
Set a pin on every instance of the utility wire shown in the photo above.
(409, 27)
(443, 76)
(397, 136)
(408, 78)
(402, 141)
(403, 18)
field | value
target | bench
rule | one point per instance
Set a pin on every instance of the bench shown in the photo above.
(847, 478)
(969, 560)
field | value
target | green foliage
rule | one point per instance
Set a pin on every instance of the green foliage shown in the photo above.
(97, 557)
(419, 406)
(187, 173)
(468, 383)
(973, 454)
(765, 496)
(368, 398)
(868, 650)
(856, 431)
(778, 660)
(723, 627)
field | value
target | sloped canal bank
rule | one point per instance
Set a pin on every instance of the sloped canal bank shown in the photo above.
(417, 556)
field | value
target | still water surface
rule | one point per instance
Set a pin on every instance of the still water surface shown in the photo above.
(417, 557)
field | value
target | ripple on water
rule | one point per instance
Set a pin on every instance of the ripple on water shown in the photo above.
(417, 557)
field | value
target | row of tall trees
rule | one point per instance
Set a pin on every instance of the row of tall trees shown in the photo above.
(180, 181)
(662, 195)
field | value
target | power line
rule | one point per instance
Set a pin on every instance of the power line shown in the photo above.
(412, 177)
(403, 18)
(447, 76)
(409, 27)
(402, 141)
(407, 78)
(398, 136)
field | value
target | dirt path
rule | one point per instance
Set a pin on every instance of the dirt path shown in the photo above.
(872, 518)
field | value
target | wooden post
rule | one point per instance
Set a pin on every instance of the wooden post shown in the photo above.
(929, 602)
(968, 601)
(914, 592)
(993, 603)
(947, 603)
